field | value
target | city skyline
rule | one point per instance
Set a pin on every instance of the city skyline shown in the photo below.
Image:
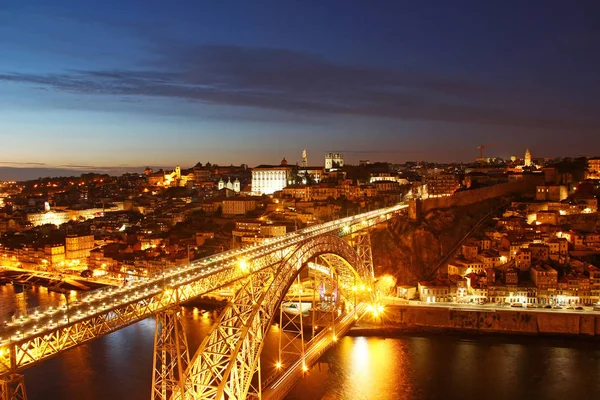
(31, 171)
(120, 86)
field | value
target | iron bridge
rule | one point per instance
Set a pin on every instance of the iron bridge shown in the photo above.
(227, 363)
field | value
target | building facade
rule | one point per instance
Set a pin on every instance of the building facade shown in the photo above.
(443, 184)
(238, 206)
(268, 179)
(334, 161)
(78, 247)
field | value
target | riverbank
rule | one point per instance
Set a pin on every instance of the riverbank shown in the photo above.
(410, 319)
(25, 279)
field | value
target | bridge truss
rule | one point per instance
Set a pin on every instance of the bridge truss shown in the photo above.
(41, 334)
(224, 366)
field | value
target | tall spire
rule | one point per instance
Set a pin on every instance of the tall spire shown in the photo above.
(527, 158)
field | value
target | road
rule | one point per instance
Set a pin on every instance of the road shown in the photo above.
(391, 301)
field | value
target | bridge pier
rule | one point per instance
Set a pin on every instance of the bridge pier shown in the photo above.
(321, 317)
(171, 356)
(291, 330)
(365, 254)
(12, 387)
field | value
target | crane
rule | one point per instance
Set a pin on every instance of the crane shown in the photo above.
(483, 146)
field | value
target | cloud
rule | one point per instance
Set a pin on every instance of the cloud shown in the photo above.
(20, 164)
(300, 84)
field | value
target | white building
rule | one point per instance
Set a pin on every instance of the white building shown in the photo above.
(267, 179)
(50, 217)
(235, 185)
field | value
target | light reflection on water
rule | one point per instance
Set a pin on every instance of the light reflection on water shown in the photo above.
(451, 367)
(15, 302)
(119, 366)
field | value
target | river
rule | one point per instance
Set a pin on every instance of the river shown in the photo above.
(119, 366)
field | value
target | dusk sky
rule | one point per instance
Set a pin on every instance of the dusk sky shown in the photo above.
(119, 83)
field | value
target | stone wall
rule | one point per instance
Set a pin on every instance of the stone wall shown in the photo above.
(458, 199)
(500, 321)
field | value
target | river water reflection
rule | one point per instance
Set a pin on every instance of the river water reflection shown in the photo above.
(119, 366)
(455, 367)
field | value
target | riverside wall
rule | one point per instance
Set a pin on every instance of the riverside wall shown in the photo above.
(508, 321)
(459, 199)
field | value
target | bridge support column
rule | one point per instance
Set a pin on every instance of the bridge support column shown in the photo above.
(12, 387)
(171, 356)
(324, 311)
(255, 390)
(365, 253)
(291, 332)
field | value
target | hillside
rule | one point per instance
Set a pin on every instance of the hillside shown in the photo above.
(410, 250)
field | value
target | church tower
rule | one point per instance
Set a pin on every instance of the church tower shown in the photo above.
(177, 172)
(527, 158)
(221, 184)
(236, 185)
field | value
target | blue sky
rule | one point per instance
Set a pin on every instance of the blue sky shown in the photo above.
(134, 83)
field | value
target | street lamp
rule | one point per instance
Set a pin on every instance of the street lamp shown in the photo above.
(67, 305)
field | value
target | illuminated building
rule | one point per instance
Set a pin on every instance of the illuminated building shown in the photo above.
(50, 217)
(334, 161)
(323, 191)
(235, 185)
(257, 232)
(268, 179)
(442, 184)
(312, 174)
(78, 247)
(272, 230)
(239, 206)
(594, 168)
(387, 177)
(544, 277)
(302, 192)
(309, 174)
(523, 259)
(170, 178)
(436, 291)
(528, 158)
(551, 192)
(55, 254)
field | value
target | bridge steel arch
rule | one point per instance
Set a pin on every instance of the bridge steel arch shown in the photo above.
(224, 365)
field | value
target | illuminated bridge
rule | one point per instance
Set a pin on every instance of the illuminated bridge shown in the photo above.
(226, 366)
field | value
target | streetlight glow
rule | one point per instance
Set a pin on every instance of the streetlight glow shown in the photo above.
(243, 265)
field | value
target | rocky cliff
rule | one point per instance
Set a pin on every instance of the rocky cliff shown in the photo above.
(410, 250)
